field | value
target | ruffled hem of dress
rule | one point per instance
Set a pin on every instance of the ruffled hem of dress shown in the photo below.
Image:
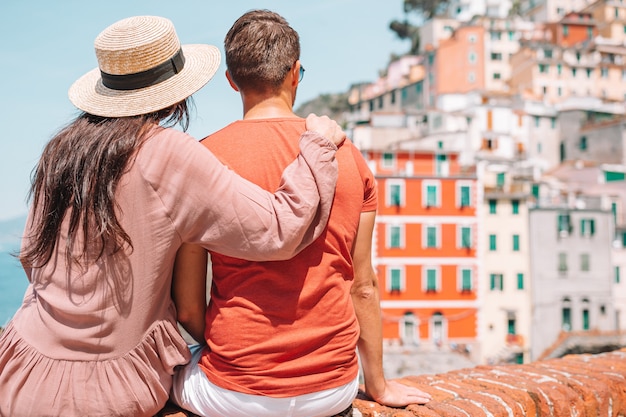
(136, 383)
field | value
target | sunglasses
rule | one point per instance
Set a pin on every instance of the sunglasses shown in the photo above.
(301, 74)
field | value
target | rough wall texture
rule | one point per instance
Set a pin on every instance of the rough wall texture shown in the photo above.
(572, 386)
(575, 385)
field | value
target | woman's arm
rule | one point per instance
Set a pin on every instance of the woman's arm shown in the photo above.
(212, 206)
(189, 289)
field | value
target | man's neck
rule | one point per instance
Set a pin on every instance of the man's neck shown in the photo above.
(257, 107)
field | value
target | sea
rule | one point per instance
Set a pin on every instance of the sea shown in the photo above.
(13, 280)
(13, 283)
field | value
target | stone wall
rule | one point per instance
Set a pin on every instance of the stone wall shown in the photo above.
(575, 385)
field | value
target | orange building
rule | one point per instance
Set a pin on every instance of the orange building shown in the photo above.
(574, 28)
(460, 63)
(425, 247)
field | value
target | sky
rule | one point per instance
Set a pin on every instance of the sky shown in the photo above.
(47, 45)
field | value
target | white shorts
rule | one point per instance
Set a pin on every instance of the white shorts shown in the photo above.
(193, 391)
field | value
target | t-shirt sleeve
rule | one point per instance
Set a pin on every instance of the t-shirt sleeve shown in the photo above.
(370, 186)
(210, 205)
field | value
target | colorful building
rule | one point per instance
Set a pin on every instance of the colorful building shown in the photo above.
(425, 247)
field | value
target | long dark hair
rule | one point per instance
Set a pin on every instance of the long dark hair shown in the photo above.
(76, 178)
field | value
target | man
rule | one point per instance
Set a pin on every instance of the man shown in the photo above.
(282, 336)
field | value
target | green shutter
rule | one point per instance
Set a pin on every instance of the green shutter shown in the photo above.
(520, 281)
(492, 242)
(465, 196)
(395, 280)
(431, 195)
(431, 280)
(515, 206)
(431, 237)
(395, 237)
(466, 283)
(466, 237)
(610, 176)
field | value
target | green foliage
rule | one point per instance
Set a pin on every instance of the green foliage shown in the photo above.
(425, 9)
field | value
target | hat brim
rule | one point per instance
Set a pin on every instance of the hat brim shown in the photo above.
(90, 95)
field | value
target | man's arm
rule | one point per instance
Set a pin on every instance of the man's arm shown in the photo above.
(366, 300)
(189, 289)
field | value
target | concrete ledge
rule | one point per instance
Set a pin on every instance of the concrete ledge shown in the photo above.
(575, 385)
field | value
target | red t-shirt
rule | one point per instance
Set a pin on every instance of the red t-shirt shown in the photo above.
(286, 328)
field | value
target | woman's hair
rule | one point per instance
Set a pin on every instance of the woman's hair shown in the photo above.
(77, 177)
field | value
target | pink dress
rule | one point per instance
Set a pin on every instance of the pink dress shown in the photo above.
(102, 340)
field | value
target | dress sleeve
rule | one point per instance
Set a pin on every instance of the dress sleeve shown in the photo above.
(214, 207)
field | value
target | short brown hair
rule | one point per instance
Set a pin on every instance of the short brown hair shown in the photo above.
(260, 50)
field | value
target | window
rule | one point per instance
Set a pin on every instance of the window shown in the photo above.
(511, 326)
(496, 56)
(396, 279)
(395, 195)
(472, 57)
(562, 262)
(547, 53)
(380, 102)
(496, 282)
(431, 279)
(492, 243)
(389, 160)
(564, 225)
(466, 237)
(464, 196)
(617, 275)
(584, 262)
(589, 72)
(442, 166)
(536, 119)
(585, 319)
(432, 195)
(466, 280)
(497, 76)
(604, 72)
(553, 122)
(515, 206)
(543, 68)
(515, 243)
(500, 179)
(574, 72)
(493, 204)
(582, 145)
(431, 237)
(587, 227)
(409, 329)
(559, 68)
(495, 35)
(395, 236)
(393, 97)
(566, 319)
(520, 281)
(590, 32)
(565, 31)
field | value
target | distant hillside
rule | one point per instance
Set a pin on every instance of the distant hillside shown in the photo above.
(333, 105)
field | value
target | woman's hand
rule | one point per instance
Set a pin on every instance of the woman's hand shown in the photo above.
(326, 127)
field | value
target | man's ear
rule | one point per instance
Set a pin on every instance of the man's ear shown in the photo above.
(295, 73)
(231, 82)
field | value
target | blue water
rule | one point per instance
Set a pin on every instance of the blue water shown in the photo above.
(13, 283)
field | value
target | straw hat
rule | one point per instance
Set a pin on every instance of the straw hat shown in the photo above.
(142, 69)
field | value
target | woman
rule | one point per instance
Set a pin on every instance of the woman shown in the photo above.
(115, 194)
